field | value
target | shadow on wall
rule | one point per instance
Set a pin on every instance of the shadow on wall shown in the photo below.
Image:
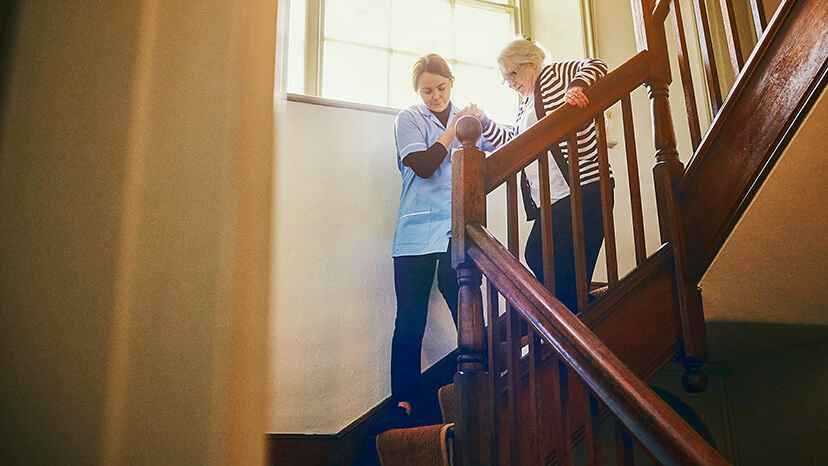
(734, 341)
(9, 11)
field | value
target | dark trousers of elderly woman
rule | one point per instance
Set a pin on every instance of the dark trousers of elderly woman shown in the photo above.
(562, 239)
(413, 278)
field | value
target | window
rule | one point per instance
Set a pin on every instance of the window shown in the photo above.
(363, 50)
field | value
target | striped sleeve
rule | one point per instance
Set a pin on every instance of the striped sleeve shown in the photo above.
(499, 134)
(583, 73)
(562, 76)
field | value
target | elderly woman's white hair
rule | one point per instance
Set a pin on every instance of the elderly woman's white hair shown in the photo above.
(520, 51)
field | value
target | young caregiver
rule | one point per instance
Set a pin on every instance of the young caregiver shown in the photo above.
(425, 139)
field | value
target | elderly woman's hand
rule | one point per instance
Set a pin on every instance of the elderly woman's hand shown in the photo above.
(473, 110)
(575, 96)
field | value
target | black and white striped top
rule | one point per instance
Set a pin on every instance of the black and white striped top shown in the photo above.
(554, 80)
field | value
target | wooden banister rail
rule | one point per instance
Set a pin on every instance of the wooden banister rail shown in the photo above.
(667, 437)
(571, 373)
(472, 389)
(521, 151)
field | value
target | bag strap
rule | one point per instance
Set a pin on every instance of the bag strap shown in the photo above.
(555, 148)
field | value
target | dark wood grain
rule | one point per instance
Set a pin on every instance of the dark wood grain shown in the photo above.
(732, 35)
(513, 345)
(757, 11)
(577, 211)
(564, 447)
(495, 364)
(606, 202)
(472, 385)
(632, 401)
(593, 431)
(513, 232)
(660, 11)
(633, 178)
(686, 76)
(706, 43)
(783, 77)
(547, 241)
(536, 397)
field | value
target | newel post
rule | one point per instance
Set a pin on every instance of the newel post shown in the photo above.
(668, 172)
(471, 385)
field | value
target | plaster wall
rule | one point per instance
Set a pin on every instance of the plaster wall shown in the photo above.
(337, 188)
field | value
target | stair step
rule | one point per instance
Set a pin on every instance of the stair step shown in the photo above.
(417, 446)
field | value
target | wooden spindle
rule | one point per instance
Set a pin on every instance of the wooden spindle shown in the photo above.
(472, 394)
(493, 338)
(547, 242)
(537, 433)
(732, 34)
(593, 429)
(623, 445)
(760, 22)
(635, 185)
(578, 244)
(686, 76)
(512, 335)
(512, 230)
(606, 202)
(706, 43)
(667, 174)
(513, 347)
(561, 398)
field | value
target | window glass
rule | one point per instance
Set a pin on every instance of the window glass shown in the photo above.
(482, 86)
(296, 47)
(360, 21)
(481, 33)
(366, 49)
(400, 88)
(355, 73)
(417, 25)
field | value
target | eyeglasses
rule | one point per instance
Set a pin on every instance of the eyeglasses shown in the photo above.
(509, 78)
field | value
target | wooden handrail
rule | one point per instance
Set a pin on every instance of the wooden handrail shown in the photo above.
(521, 151)
(648, 417)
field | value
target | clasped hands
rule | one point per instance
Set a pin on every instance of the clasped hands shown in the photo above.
(574, 96)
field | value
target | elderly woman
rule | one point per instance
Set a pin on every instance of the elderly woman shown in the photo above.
(422, 243)
(545, 87)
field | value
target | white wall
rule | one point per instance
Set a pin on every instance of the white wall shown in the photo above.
(557, 25)
(337, 192)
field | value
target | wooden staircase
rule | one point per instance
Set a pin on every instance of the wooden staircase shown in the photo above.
(573, 372)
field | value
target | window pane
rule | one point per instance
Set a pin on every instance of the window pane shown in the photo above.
(421, 27)
(400, 88)
(482, 86)
(481, 33)
(296, 47)
(361, 21)
(354, 73)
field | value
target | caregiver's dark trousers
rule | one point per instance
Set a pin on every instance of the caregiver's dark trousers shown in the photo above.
(413, 277)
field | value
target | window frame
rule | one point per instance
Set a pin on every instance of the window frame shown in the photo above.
(315, 40)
